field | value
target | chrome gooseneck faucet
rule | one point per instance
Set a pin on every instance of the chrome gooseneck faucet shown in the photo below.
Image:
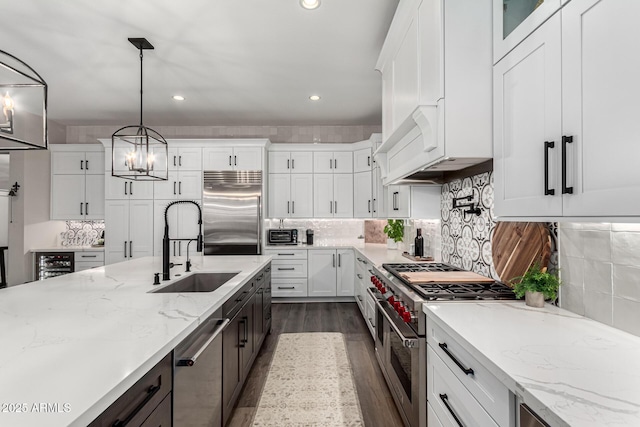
(166, 265)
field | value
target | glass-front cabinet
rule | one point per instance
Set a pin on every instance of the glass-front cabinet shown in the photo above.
(514, 20)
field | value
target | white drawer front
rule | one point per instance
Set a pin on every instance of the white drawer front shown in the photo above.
(286, 253)
(432, 418)
(491, 393)
(450, 399)
(288, 287)
(86, 265)
(289, 268)
(89, 256)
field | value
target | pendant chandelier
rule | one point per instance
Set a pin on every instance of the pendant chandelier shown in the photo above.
(23, 106)
(138, 152)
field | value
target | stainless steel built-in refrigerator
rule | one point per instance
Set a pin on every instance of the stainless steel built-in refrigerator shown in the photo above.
(232, 206)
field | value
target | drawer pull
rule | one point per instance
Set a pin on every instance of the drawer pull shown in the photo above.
(286, 254)
(360, 298)
(286, 268)
(286, 287)
(151, 391)
(445, 400)
(444, 348)
(359, 276)
(88, 256)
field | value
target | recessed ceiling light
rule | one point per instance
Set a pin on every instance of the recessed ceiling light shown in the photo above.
(314, 97)
(178, 97)
(310, 4)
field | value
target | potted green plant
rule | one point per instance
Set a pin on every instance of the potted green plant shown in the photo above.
(536, 285)
(395, 232)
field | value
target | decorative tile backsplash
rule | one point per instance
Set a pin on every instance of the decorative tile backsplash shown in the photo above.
(600, 272)
(81, 233)
(466, 238)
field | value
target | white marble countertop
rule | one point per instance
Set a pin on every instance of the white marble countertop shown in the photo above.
(82, 339)
(69, 249)
(572, 371)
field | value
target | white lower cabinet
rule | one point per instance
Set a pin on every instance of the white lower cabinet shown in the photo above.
(87, 260)
(129, 225)
(331, 272)
(460, 390)
(288, 272)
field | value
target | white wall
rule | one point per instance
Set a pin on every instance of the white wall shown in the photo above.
(600, 271)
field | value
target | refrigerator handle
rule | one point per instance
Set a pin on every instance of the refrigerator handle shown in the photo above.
(259, 225)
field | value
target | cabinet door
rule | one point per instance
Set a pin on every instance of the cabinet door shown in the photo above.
(322, 195)
(67, 196)
(116, 222)
(598, 111)
(67, 163)
(247, 158)
(217, 158)
(379, 203)
(168, 189)
(189, 159)
(94, 196)
(302, 195)
(248, 345)
(399, 201)
(190, 185)
(527, 116)
(141, 190)
(362, 198)
(231, 367)
(362, 160)
(93, 162)
(343, 195)
(323, 162)
(141, 228)
(322, 273)
(173, 159)
(301, 162)
(343, 162)
(279, 201)
(159, 207)
(279, 162)
(345, 286)
(516, 19)
(116, 188)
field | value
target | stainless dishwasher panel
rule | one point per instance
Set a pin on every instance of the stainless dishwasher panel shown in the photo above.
(197, 388)
(529, 419)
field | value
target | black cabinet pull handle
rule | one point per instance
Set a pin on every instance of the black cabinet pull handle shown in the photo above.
(174, 160)
(286, 268)
(86, 164)
(125, 188)
(369, 205)
(565, 140)
(288, 204)
(180, 187)
(88, 256)
(81, 164)
(179, 160)
(286, 287)
(151, 391)
(293, 163)
(293, 206)
(547, 191)
(86, 208)
(80, 208)
(125, 249)
(279, 254)
(445, 400)
(235, 160)
(335, 163)
(174, 187)
(229, 160)
(130, 249)
(131, 188)
(368, 160)
(374, 205)
(288, 164)
(467, 371)
(330, 163)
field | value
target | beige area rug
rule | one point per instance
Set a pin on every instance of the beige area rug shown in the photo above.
(310, 383)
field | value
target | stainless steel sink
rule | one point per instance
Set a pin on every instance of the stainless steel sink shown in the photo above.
(198, 282)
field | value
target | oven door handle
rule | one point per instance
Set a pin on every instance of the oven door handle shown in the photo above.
(406, 342)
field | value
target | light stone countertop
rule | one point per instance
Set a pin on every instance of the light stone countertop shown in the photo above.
(572, 371)
(84, 338)
(68, 249)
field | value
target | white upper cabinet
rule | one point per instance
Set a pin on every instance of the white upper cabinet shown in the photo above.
(513, 20)
(362, 195)
(566, 125)
(399, 201)
(182, 158)
(362, 160)
(333, 162)
(290, 162)
(118, 188)
(290, 195)
(436, 65)
(232, 158)
(180, 185)
(77, 182)
(528, 127)
(333, 195)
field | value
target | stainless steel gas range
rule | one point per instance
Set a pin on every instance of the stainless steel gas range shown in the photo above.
(401, 327)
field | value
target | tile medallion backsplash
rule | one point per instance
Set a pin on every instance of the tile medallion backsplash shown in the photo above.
(466, 238)
(81, 233)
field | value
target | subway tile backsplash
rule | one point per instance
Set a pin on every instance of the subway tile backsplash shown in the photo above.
(600, 271)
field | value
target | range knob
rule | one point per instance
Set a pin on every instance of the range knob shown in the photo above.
(406, 316)
(373, 279)
(383, 289)
(396, 305)
(391, 299)
(401, 310)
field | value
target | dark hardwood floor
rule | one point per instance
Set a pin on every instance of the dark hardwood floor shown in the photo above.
(378, 408)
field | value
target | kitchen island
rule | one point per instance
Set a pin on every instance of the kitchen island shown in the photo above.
(571, 370)
(72, 345)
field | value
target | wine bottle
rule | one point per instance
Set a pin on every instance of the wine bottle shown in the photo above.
(419, 244)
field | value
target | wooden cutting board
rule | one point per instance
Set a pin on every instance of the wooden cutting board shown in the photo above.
(444, 277)
(516, 246)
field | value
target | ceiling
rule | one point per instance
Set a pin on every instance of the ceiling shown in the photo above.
(237, 62)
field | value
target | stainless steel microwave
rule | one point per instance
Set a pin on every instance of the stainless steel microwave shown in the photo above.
(282, 236)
